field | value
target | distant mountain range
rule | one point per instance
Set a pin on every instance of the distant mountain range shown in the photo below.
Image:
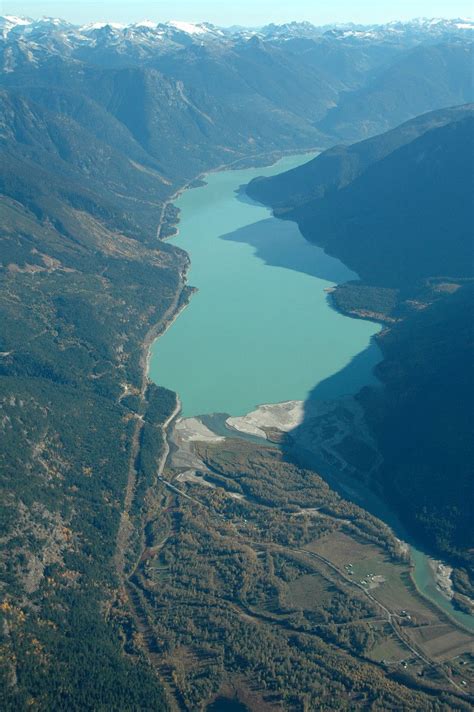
(143, 40)
(433, 27)
(238, 89)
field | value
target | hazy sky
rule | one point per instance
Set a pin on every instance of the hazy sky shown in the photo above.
(245, 12)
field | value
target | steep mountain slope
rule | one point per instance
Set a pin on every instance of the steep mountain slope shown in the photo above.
(423, 421)
(81, 151)
(338, 166)
(398, 210)
(79, 296)
(160, 112)
(426, 78)
(409, 215)
(300, 76)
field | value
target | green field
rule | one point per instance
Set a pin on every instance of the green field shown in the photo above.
(390, 583)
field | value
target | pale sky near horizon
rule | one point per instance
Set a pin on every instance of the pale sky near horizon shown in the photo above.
(241, 12)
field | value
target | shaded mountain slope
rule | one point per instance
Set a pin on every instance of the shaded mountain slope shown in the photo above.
(398, 210)
(339, 165)
(408, 216)
(423, 422)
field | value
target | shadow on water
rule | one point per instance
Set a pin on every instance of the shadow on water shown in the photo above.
(279, 243)
(348, 382)
(358, 373)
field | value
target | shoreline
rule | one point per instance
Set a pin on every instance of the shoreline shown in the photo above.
(162, 327)
(442, 575)
(274, 157)
(430, 561)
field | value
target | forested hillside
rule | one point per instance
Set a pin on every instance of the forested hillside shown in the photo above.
(408, 216)
(341, 164)
(423, 419)
(422, 76)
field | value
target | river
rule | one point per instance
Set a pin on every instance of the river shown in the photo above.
(260, 328)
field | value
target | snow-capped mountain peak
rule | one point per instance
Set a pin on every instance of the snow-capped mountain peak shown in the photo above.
(189, 27)
(146, 38)
(10, 22)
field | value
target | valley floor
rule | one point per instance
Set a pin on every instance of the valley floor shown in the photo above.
(253, 564)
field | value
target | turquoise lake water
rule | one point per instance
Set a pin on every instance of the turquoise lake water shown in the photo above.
(260, 328)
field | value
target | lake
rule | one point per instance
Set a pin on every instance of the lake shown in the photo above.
(260, 329)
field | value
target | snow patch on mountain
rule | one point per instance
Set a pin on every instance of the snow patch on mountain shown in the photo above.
(10, 22)
(189, 27)
(149, 36)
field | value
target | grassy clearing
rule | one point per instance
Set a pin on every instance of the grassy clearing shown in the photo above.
(308, 592)
(389, 649)
(367, 565)
(442, 642)
(342, 549)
